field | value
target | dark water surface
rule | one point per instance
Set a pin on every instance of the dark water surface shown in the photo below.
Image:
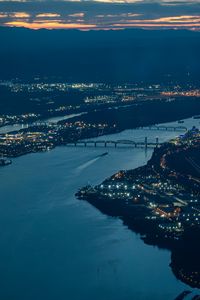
(53, 246)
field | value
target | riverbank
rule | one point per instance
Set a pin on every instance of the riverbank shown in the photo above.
(144, 114)
(155, 200)
(46, 137)
(42, 226)
(55, 119)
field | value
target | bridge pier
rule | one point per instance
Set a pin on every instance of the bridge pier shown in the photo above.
(157, 141)
(145, 142)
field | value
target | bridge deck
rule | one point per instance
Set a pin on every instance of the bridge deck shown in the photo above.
(104, 143)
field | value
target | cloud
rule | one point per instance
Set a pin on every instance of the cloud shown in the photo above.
(3, 15)
(19, 15)
(77, 15)
(50, 25)
(47, 15)
(100, 14)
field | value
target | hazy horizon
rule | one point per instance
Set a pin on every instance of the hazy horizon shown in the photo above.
(100, 14)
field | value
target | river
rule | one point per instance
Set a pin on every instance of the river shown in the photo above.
(54, 246)
(16, 127)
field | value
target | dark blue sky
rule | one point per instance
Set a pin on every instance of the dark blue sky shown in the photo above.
(101, 14)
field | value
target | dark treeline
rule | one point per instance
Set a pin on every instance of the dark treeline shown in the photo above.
(146, 113)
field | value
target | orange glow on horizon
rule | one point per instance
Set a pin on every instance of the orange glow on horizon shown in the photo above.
(49, 25)
(100, 22)
(164, 25)
(45, 24)
(178, 19)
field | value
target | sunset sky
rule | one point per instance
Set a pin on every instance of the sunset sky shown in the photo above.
(100, 14)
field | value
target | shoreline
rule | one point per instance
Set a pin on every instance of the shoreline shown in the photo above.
(65, 134)
(150, 201)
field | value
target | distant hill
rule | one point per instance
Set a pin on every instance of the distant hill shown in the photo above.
(147, 113)
(126, 55)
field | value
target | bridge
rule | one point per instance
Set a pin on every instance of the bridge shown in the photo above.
(163, 128)
(115, 144)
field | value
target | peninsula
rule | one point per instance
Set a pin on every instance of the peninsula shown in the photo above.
(161, 201)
